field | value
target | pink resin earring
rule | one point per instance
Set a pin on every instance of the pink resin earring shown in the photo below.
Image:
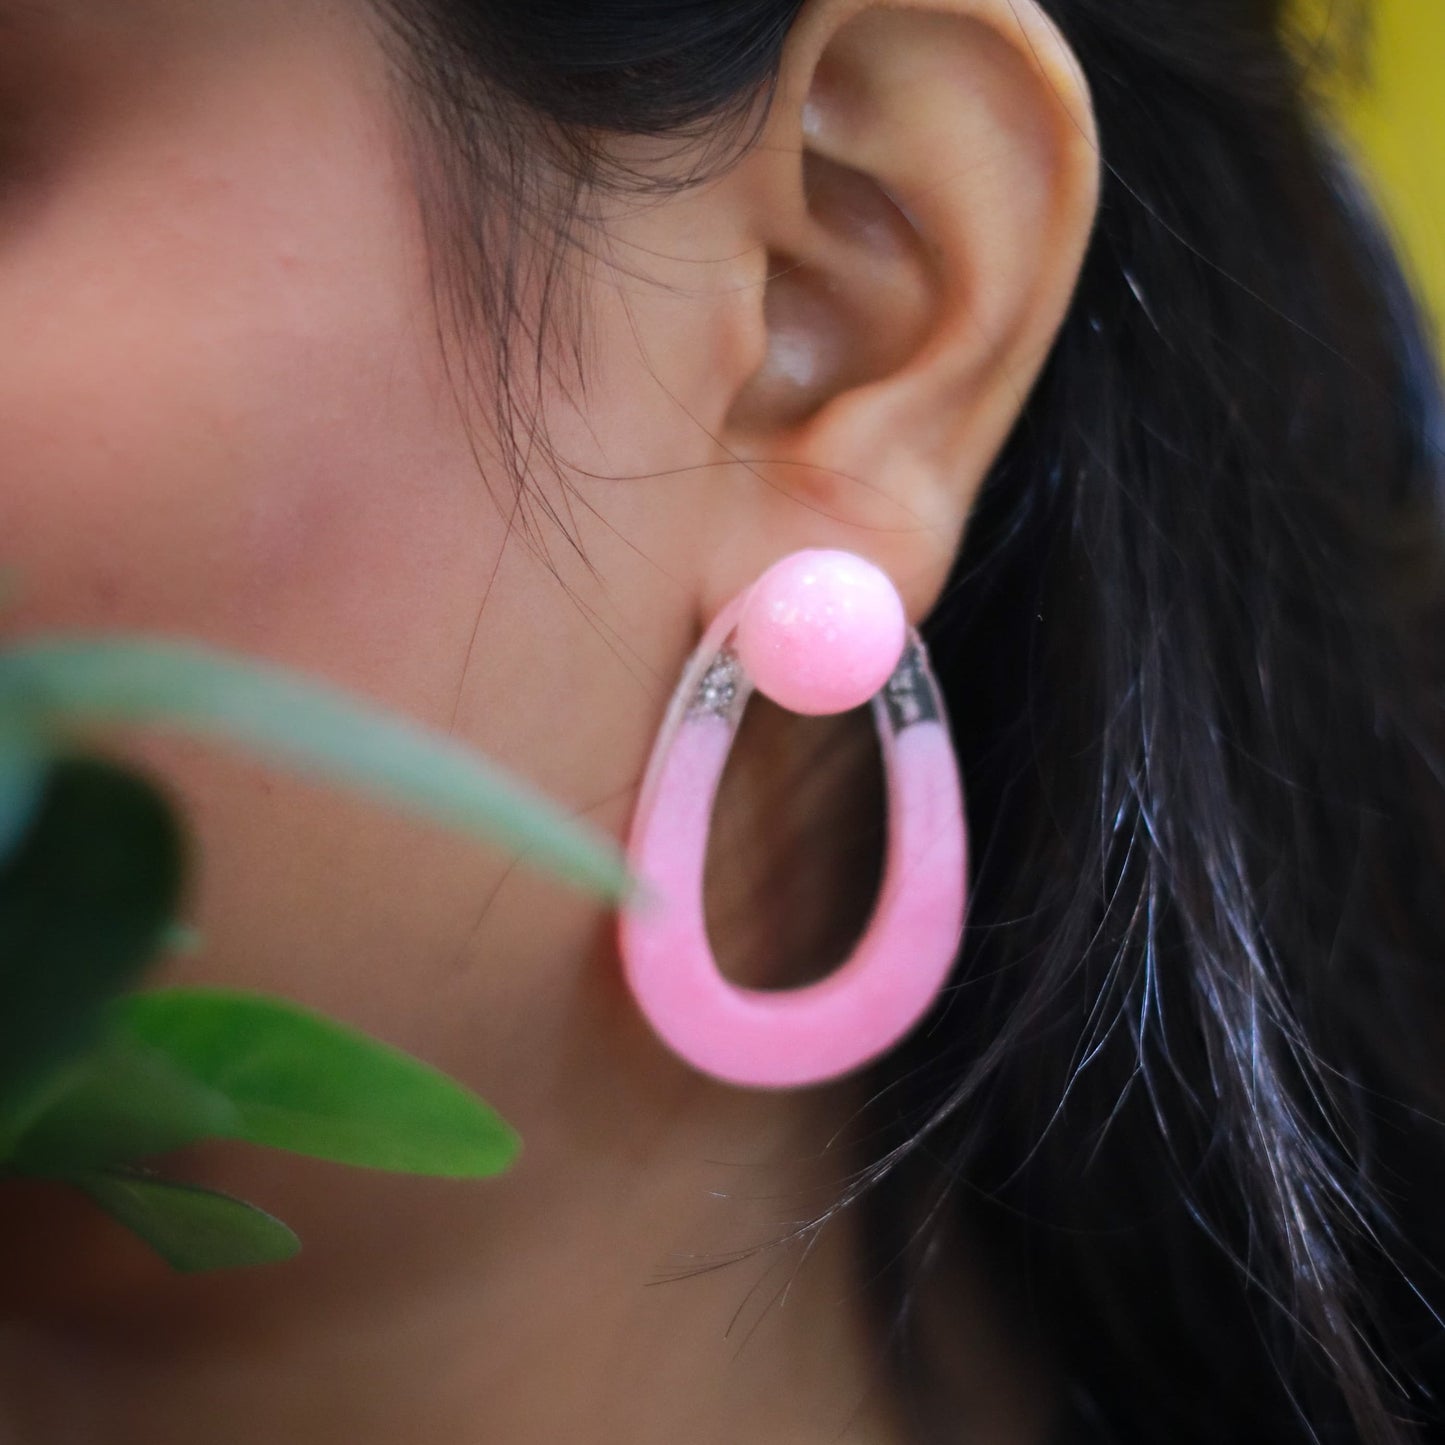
(819, 632)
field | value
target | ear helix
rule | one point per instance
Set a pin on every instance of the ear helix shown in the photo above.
(819, 632)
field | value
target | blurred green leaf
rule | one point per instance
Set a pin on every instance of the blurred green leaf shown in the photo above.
(298, 1081)
(122, 1102)
(192, 1229)
(84, 902)
(77, 681)
(24, 765)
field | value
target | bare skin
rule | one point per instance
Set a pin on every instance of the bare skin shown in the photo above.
(225, 413)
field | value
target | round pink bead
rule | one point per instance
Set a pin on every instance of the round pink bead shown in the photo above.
(821, 631)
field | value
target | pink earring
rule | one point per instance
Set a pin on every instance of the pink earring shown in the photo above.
(819, 632)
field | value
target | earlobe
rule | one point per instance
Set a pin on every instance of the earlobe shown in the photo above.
(923, 191)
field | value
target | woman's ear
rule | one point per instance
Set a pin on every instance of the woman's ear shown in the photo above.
(905, 239)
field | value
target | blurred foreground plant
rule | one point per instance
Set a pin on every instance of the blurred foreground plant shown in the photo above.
(95, 1080)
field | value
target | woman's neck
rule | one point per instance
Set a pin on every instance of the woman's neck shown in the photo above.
(623, 1297)
(621, 1301)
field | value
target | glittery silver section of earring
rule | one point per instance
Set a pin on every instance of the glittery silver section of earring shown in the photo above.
(719, 693)
(909, 695)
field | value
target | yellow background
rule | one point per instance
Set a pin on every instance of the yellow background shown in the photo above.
(1398, 121)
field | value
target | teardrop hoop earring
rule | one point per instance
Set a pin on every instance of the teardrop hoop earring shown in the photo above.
(819, 632)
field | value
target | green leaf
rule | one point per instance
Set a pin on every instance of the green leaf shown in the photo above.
(123, 1102)
(298, 1081)
(24, 765)
(192, 1229)
(309, 724)
(84, 903)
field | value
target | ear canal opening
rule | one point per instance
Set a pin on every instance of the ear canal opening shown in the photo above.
(849, 301)
(791, 382)
(797, 846)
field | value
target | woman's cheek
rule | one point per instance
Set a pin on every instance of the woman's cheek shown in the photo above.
(258, 488)
(220, 408)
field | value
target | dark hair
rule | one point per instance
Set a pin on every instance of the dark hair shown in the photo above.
(1184, 1085)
